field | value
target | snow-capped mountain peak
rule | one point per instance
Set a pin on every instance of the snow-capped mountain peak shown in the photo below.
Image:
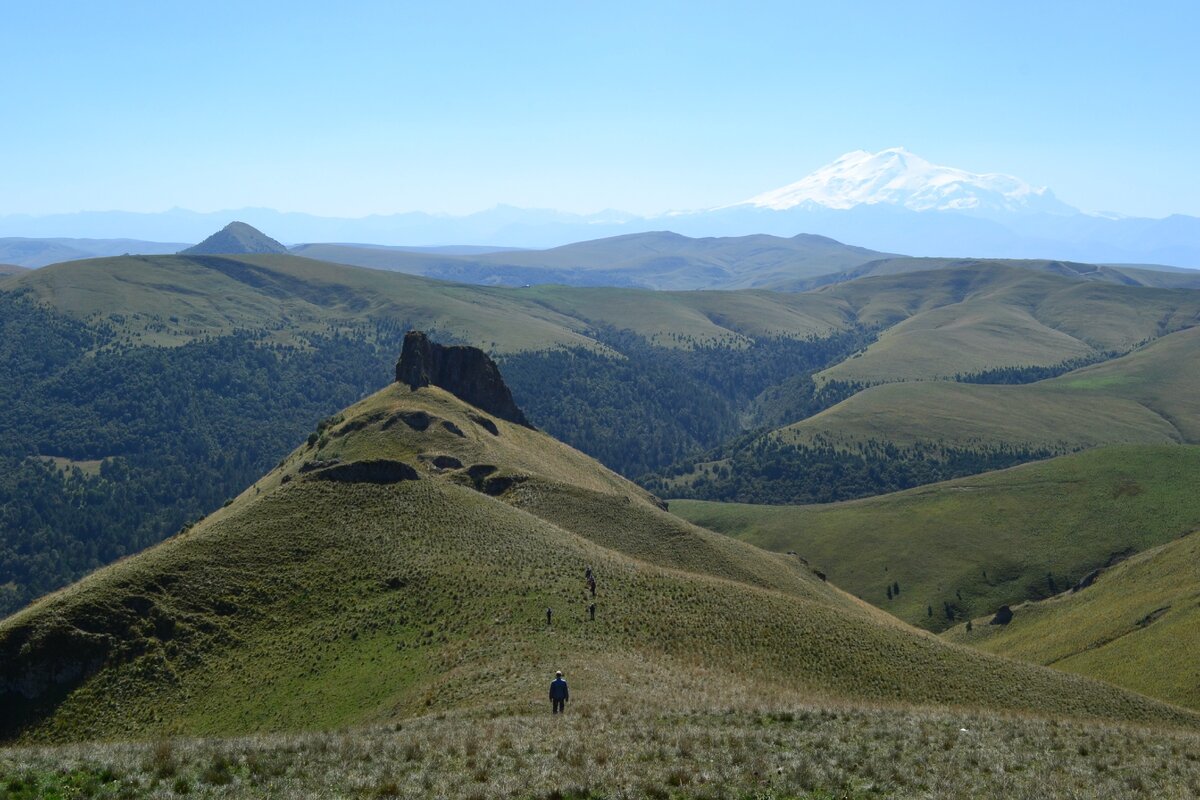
(897, 177)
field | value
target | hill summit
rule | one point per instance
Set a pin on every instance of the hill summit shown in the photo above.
(236, 237)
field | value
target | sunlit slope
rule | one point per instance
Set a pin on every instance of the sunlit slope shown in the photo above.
(1150, 396)
(964, 320)
(977, 543)
(172, 299)
(388, 568)
(1137, 625)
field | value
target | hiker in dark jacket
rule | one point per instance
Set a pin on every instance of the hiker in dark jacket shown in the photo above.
(549, 614)
(559, 694)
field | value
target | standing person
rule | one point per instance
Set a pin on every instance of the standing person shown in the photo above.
(592, 585)
(549, 613)
(592, 612)
(559, 694)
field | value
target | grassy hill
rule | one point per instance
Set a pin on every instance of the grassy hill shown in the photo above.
(11, 269)
(401, 563)
(1134, 626)
(966, 547)
(898, 435)
(963, 320)
(1148, 396)
(656, 260)
(170, 299)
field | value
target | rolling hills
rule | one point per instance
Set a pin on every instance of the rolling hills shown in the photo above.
(401, 562)
(654, 260)
(899, 435)
(963, 548)
(646, 381)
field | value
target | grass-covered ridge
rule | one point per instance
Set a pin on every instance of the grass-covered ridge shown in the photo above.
(402, 562)
(1135, 625)
(963, 548)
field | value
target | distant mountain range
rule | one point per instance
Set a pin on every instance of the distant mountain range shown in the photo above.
(892, 201)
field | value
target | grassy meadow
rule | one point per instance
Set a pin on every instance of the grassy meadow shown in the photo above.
(977, 543)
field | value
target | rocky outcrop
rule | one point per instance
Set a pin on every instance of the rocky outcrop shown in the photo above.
(1086, 581)
(465, 372)
(1003, 616)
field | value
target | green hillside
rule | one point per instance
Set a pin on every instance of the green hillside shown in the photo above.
(1150, 395)
(965, 320)
(1135, 626)
(898, 435)
(964, 548)
(11, 269)
(401, 563)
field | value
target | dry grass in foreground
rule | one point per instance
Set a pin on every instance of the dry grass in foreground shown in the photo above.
(740, 752)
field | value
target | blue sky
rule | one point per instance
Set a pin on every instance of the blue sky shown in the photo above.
(382, 107)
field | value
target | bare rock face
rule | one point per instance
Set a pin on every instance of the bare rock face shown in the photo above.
(465, 372)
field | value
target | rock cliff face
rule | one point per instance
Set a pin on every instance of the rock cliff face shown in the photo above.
(465, 372)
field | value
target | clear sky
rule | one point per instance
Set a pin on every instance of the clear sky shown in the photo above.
(377, 107)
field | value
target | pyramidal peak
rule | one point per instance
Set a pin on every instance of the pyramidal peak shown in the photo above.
(236, 237)
(901, 178)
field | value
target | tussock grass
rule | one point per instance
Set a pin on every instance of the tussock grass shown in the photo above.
(759, 749)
